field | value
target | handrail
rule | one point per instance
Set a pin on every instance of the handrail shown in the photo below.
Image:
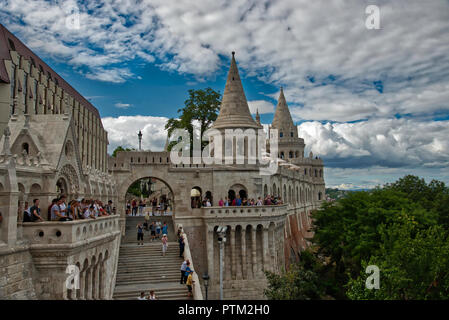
(196, 287)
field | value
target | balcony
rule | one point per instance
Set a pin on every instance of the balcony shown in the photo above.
(246, 211)
(77, 232)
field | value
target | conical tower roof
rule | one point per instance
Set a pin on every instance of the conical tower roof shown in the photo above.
(282, 118)
(234, 110)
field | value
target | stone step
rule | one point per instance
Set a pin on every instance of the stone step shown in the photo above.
(143, 268)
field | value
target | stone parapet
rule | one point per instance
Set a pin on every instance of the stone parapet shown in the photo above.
(196, 288)
(69, 232)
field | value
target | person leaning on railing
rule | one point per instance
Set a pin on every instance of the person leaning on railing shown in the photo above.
(35, 211)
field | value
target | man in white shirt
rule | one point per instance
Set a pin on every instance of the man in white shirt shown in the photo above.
(142, 296)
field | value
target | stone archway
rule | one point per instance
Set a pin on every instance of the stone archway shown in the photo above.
(123, 187)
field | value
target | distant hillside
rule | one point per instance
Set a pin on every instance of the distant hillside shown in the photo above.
(335, 193)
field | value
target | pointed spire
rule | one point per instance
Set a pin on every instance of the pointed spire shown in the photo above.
(234, 110)
(257, 116)
(282, 118)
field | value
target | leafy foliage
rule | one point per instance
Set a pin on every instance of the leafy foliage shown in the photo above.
(402, 228)
(120, 148)
(202, 107)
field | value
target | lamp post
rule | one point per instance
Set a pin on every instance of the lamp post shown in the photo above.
(221, 231)
(206, 282)
(140, 140)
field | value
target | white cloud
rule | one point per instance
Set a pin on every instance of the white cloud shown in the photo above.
(358, 155)
(262, 106)
(383, 142)
(122, 131)
(319, 51)
(122, 105)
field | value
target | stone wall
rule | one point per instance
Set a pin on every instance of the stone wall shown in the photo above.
(16, 274)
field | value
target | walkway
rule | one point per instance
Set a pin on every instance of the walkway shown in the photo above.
(143, 268)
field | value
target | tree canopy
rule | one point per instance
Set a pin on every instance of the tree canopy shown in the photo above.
(402, 228)
(202, 108)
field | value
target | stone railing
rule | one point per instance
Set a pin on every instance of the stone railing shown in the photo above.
(70, 232)
(247, 211)
(196, 288)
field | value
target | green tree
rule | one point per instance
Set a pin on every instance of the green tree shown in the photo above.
(413, 262)
(120, 148)
(201, 107)
(300, 282)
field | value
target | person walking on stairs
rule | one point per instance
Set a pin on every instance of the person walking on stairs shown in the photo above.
(152, 295)
(183, 271)
(164, 244)
(189, 283)
(153, 231)
(142, 296)
(165, 228)
(181, 246)
(139, 234)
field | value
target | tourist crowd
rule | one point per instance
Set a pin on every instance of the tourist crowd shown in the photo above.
(237, 202)
(135, 207)
(61, 210)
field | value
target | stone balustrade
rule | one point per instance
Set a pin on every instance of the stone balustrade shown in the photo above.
(246, 211)
(70, 232)
(90, 245)
(196, 287)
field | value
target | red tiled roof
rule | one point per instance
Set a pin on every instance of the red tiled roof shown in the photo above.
(23, 50)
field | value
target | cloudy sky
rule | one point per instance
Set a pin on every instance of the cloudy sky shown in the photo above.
(373, 103)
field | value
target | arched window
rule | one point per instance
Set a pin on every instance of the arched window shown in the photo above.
(195, 197)
(290, 154)
(291, 134)
(282, 154)
(281, 134)
(26, 147)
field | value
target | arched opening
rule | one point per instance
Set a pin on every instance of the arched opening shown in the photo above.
(149, 195)
(265, 191)
(320, 195)
(237, 190)
(243, 194)
(195, 197)
(209, 197)
(274, 190)
(61, 186)
(231, 195)
(26, 148)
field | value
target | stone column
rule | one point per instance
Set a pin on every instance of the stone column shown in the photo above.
(232, 243)
(97, 281)
(101, 281)
(243, 261)
(88, 284)
(254, 251)
(210, 256)
(266, 255)
(82, 285)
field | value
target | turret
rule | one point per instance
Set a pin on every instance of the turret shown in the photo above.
(290, 146)
(234, 110)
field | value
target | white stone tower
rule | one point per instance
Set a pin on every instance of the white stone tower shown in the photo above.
(290, 146)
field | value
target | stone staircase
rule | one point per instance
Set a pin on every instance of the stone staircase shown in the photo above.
(143, 268)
